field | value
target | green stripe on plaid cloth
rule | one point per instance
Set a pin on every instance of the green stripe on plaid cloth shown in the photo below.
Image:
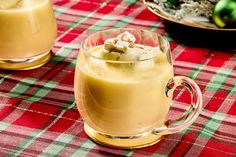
(57, 145)
(233, 90)
(59, 10)
(211, 125)
(219, 79)
(37, 107)
(3, 126)
(21, 87)
(42, 92)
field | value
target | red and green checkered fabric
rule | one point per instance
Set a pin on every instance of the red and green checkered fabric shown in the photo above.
(38, 115)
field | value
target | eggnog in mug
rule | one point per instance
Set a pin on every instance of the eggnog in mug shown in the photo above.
(27, 29)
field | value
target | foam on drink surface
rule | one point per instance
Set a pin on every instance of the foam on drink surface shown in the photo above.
(122, 58)
(18, 4)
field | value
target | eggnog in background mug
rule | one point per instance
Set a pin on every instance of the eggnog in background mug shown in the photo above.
(123, 88)
(27, 33)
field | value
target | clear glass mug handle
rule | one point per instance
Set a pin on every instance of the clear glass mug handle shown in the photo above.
(191, 113)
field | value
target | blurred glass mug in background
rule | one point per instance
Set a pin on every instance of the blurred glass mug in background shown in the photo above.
(124, 96)
(27, 33)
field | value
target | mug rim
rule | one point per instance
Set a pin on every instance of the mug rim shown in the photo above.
(86, 50)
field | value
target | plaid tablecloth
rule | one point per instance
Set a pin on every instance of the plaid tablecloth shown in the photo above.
(38, 116)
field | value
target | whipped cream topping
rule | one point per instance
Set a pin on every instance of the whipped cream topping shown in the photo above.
(123, 47)
(122, 43)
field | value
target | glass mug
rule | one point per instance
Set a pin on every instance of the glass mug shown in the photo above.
(124, 104)
(27, 33)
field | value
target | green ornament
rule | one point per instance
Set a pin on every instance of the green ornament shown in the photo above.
(224, 13)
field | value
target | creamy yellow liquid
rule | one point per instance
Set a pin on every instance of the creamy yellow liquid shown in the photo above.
(26, 29)
(122, 100)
